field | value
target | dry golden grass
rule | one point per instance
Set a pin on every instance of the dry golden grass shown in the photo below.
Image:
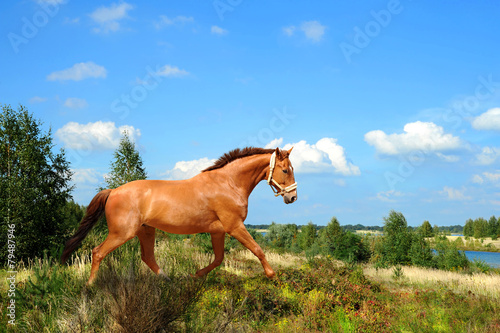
(366, 232)
(478, 283)
(275, 259)
(241, 262)
(487, 240)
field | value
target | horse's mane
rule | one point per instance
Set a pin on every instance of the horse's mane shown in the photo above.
(237, 154)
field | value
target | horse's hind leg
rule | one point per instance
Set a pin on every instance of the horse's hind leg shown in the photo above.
(146, 235)
(111, 242)
(218, 247)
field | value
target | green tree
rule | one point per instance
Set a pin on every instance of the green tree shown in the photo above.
(493, 225)
(73, 213)
(127, 164)
(448, 256)
(343, 245)
(282, 236)
(34, 186)
(420, 251)
(426, 229)
(397, 240)
(480, 228)
(307, 236)
(469, 228)
(332, 234)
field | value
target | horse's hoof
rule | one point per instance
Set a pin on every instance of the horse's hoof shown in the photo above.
(271, 275)
(162, 274)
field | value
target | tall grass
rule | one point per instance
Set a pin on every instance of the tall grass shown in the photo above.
(312, 295)
(477, 283)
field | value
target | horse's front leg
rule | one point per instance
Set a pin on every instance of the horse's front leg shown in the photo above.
(244, 237)
(218, 247)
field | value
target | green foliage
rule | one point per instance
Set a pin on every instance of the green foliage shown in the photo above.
(493, 227)
(34, 186)
(73, 213)
(307, 236)
(448, 257)
(421, 252)
(318, 296)
(397, 272)
(469, 228)
(41, 290)
(127, 165)
(204, 241)
(426, 229)
(400, 246)
(282, 236)
(480, 228)
(344, 245)
(481, 265)
(397, 240)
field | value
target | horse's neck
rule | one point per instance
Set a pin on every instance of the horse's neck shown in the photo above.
(247, 172)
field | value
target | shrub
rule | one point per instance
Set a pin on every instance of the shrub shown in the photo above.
(449, 257)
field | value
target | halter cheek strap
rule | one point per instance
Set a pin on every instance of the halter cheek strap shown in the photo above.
(283, 191)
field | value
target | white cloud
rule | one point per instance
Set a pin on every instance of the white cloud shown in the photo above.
(488, 155)
(448, 158)
(108, 17)
(86, 176)
(477, 179)
(426, 137)
(490, 120)
(323, 156)
(492, 177)
(487, 177)
(455, 194)
(313, 30)
(289, 31)
(188, 169)
(171, 71)
(340, 182)
(178, 20)
(274, 143)
(75, 103)
(94, 136)
(78, 72)
(388, 196)
(37, 99)
(68, 20)
(218, 30)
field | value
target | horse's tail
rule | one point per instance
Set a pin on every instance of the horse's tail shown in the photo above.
(94, 211)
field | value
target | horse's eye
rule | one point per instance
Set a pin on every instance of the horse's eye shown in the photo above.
(285, 171)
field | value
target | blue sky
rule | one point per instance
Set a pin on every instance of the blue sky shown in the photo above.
(389, 104)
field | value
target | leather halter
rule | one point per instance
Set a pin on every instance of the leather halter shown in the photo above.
(283, 191)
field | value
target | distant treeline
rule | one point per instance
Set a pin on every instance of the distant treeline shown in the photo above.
(454, 229)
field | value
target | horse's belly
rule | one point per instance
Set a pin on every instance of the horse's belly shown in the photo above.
(177, 220)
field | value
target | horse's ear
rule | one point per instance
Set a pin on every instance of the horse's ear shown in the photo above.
(290, 150)
(278, 153)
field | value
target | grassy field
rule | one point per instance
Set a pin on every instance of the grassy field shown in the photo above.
(306, 295)
(476, 244)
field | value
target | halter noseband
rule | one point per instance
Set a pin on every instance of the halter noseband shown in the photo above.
(283, 191)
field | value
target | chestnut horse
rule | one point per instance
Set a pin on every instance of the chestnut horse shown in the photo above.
(214, 201)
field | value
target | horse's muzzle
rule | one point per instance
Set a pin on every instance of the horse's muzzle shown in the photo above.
(291, 197)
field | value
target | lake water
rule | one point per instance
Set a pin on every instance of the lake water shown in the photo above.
(491, 258)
